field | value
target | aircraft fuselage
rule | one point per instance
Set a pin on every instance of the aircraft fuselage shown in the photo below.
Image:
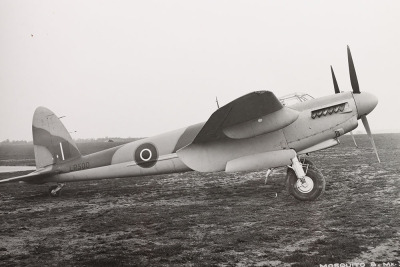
(320, 121)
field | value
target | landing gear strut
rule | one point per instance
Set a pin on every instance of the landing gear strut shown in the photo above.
(55, 190)
(270, 193)
(304, 181)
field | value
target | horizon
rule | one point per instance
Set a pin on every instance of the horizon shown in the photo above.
(98, 139)
(146, 67)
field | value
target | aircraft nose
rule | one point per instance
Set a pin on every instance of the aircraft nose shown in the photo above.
(365, 103)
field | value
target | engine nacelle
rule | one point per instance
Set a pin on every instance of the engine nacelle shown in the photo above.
(261, 161)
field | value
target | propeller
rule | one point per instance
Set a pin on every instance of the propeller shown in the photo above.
(353, 75)
(366, 126)
(354, 140)
(365, 102)
(337, 91)
(335, 84)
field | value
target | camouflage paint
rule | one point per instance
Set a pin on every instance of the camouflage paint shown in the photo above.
(52, 142)
(202, 147)
(308, 131)
(299, 134)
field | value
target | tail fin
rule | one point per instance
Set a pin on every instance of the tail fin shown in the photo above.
(52, 142)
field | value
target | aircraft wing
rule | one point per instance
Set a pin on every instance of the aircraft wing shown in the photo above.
(33, 177)
(249, 116)
(253, 114)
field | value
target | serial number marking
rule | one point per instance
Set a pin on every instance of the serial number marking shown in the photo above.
(79, 166)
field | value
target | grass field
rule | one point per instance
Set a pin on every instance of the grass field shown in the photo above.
(211, 219)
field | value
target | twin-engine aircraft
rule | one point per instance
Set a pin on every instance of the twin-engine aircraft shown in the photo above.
(254, 132)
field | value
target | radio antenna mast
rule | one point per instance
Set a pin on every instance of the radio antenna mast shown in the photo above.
(216, 100)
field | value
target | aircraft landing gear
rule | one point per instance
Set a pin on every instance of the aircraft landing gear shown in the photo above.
(269, 172)
(304, 181)
(270, 192)
(308, 162)
(55, 190)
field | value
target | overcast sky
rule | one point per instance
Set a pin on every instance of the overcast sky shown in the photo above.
(139, 68)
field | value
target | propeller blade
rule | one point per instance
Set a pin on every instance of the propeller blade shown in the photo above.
(366, 126)
(335, 84)
(354, 140)
(353, 75)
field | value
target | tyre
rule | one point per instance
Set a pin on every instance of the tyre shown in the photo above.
(312, 187)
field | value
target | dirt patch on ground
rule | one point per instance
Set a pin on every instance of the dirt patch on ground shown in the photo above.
(195, 219)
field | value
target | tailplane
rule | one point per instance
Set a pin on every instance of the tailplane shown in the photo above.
(51, 140)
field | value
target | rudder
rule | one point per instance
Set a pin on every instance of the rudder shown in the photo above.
(51, 141)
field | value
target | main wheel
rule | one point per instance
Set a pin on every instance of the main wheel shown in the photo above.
(56, 194)
(312, 186)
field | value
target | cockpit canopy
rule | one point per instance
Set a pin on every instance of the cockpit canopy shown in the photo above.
(294, 98)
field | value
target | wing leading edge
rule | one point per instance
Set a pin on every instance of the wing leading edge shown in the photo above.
(251, 115)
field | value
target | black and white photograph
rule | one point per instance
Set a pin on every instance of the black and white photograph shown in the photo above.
(200, 133)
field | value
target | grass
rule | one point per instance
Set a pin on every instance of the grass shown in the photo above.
(196, 219)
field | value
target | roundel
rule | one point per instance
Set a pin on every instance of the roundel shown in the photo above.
(146, 155)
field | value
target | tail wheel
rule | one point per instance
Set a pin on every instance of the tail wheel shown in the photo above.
(309, 188)
(54, 193)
